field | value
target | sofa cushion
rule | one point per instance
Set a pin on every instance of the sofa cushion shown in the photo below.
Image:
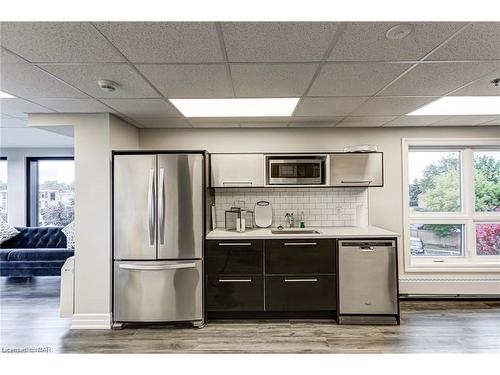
(37, 255)
(36, 237)
(4, 253)
(69, 232)
(6, 231)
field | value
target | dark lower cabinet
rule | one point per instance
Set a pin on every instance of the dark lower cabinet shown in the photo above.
(235, 257)
(300, 293)
(302, 256)
(235, 293)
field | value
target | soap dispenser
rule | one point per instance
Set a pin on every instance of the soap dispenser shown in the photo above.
(302, 223)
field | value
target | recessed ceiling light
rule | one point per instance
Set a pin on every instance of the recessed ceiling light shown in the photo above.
(399, 31)
(4, 95)
(236, 107)
(460, 105)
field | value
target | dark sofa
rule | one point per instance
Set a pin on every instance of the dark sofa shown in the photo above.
(35, 251)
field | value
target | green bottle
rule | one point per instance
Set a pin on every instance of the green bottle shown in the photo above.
(302, 223)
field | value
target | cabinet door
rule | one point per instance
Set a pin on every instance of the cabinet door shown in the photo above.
(300, 293)
(235, 293)
(300, 256)
(242, 257)
(356, 169)
(237, 170)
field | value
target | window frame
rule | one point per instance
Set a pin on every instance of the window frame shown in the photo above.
(4, 158)
(32, 187)
(470, 261)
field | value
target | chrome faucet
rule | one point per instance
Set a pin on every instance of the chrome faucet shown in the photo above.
(290, 220)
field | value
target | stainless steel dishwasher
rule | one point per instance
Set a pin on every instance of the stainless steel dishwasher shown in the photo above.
(368, 282)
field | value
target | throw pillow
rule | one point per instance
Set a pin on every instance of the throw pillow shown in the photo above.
(69, 232)
(6, 231)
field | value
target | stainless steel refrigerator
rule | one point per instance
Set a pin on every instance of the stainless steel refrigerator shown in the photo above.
(158, 235)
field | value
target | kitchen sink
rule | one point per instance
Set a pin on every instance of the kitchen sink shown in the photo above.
(294, 231)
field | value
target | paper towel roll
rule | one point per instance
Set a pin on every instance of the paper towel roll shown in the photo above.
(361, 216)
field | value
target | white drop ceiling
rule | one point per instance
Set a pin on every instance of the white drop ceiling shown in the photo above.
(346, 74)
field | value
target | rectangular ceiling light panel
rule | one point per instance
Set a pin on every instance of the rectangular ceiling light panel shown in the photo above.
(4, 95)
(460, 105)
(258, 107)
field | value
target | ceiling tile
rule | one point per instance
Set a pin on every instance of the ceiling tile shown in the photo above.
(267, 124)
(494, 122)
(32, 137)
(314, 122)
(481, 87)
(143, 108)
(277, 41)
(390, 106)
(355, 79)
(20, 108)
(13, 122)
(415, 120)
(85, 77)
(439, 78)
(57, 42)
(465, 120)
(479, 41)
(164, 122)
(189, 81)
(27, 81)
(202, 120)
(164, 42)
(362, 122)
(271, 80)
(74, 105)
(330, 106)
(216, 125)
(371, 43)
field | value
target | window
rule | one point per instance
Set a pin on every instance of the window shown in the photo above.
(452, 204)
(3, 188)
(51, 197)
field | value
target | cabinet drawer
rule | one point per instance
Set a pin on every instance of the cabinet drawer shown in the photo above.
(300, 256)
(235, 293)
(235, 257)
(300, 293)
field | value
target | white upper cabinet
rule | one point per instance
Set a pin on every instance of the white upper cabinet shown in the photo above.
(237, 170)
(356, 169)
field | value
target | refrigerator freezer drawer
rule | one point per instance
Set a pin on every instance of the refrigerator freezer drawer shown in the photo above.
(161, 291)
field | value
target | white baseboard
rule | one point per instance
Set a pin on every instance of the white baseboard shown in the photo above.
(442, 286)
(91, 321)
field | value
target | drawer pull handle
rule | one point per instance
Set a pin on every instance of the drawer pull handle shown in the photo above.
(357, 182)
(235, 280)
(301, 243)
(235, 244)
(312, 280)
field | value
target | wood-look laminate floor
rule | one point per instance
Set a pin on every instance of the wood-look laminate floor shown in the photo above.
(30, 319)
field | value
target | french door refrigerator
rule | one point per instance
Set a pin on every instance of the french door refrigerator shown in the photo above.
(158, 237)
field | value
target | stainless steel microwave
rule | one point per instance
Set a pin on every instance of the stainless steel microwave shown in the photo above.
(297, 171)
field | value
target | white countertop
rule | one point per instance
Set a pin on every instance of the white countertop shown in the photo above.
(325, 232)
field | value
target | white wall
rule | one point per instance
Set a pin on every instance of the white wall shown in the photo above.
(96, 135)
(385, 204)
(16, 177)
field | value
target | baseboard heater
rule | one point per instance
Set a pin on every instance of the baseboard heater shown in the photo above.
(450, 296)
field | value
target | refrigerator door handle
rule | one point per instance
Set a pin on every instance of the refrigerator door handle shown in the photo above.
(157, 267)
(151, 213)
(161, 206)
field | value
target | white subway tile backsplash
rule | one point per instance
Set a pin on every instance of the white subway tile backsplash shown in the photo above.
(322, 207)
